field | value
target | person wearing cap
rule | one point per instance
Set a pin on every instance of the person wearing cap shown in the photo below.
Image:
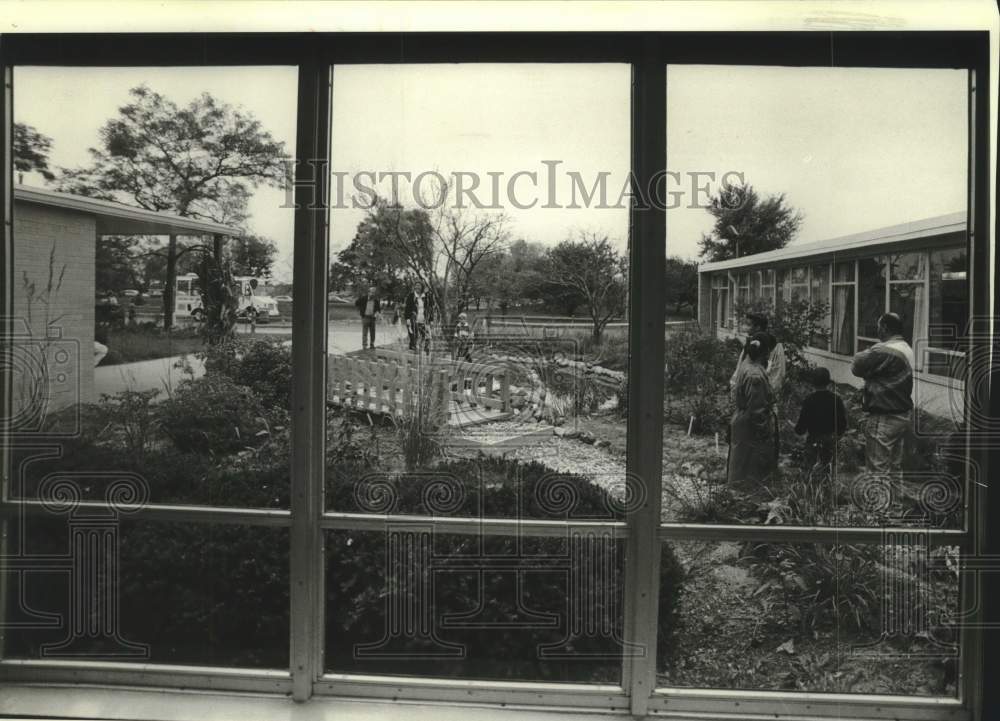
(822, 419)
(887, 396)
(753, 429)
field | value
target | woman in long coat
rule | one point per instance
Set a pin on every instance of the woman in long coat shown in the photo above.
(754, 427)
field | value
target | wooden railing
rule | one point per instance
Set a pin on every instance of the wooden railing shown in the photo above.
(391, 383)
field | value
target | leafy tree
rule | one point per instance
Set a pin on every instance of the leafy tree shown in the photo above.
(795, 323)
(253, 255)
(503, 278)
(681, 284)
(389, 242)
(443, 251)
(117, 263)
(197, 161)
(746, 224)
(595, 272)
(31, 152)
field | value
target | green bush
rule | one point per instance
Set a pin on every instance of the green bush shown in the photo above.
(214, 415)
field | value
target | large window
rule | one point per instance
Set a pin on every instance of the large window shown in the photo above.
(487, 470)
(842, 308)
(948, 312)
(819, 297)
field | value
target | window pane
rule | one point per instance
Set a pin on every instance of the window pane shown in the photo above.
(843, 272)
(110, 589)
(154, 278)
(908, 266)
(871, 295)
(416, 603)
(949, 298)
(842, 313)
(458, 325)
(873, 619)
(820, 297)
(731, 450)
(908, 300)
(755, 284)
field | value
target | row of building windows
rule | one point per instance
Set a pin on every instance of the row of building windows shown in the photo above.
(928, 289)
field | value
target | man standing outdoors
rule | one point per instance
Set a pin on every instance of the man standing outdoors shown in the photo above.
(417, 313)
(887, 370)
(369, 306)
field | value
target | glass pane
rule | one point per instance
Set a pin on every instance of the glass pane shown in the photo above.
(770, 439)
(842, 314)
(413, 602)
(949, 298)
(843, 272)
(909, 301)
(93, 587)
(755, 284)
(153, 250)
(819, 297)
(872, 619)
(908, 266)
(478, 292)
(871, 295)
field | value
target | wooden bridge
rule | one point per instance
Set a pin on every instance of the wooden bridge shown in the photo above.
(392, 382)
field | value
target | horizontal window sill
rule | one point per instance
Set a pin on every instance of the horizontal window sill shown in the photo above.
(92, 702)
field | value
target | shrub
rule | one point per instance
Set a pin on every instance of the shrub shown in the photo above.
(420, 427)
(696, 377)
(263, 365)
(497, 593)
(796, 324)
(131, 412)
(820, 583)
(213, 415)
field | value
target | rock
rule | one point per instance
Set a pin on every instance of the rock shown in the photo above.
(587, 437)
(570, 433)
(560, 432)
(603, 443)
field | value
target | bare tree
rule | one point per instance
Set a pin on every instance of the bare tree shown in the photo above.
(591, 268)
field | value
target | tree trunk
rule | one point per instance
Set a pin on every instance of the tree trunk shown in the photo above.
(170, 289)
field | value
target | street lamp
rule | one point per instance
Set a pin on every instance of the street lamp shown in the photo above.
(736, 234)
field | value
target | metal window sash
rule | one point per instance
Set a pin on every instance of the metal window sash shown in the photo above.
(6, 310)
(644, 463)
(807, 534)
(523, 528)
(734, 704)
(309, 327)
(163, 513)
(109, 673)
(606, 697)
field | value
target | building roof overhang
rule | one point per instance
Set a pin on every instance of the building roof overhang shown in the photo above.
(918, 232)
(120, 219)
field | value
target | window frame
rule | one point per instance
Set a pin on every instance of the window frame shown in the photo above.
(314, 54)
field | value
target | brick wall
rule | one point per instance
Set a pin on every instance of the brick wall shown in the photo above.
(69, 238)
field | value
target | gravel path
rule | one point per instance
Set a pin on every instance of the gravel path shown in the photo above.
(535, 442)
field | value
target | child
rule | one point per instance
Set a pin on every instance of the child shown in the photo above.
(463, 338)
(823, 418)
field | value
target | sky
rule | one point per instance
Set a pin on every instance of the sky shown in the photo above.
(852, 149)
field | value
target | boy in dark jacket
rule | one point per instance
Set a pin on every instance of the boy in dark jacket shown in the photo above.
(822, 419)
(369, 306)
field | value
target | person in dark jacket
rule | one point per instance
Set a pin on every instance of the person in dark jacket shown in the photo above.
(369, 306)
(418, 312)
(887, 370)
(822, 419)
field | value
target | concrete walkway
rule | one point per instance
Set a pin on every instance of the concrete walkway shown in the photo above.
(163, 373)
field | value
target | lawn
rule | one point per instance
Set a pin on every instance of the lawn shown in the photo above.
(129, 346)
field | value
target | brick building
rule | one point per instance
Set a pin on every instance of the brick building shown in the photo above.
(55, 236)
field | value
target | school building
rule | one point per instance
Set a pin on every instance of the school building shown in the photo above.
(918, 270)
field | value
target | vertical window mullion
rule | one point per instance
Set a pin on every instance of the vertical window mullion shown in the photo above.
(6, 306)
(644, 465)
(309, 329)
